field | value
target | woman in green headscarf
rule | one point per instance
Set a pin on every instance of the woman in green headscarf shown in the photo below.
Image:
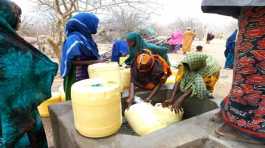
(137, 44)
(196, 77)
(26, 76)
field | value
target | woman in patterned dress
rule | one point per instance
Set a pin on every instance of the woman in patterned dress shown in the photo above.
(243, 110)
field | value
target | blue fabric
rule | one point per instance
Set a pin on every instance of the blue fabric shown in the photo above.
(119, 48)
(79, 43)
(229, 52)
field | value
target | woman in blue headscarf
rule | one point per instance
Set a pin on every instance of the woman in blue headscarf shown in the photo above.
(120, 48)
(79, 49)
(229, 51)
(26, 76)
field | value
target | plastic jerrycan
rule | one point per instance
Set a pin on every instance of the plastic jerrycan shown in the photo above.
(107, 71)
(125, 78)
(96, 107)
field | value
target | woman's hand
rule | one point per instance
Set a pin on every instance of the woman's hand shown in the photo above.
(130, 99)
(168, 102)
(148, 99)
(129, 102)
(177, 105)
(154, 91)
(178, 102)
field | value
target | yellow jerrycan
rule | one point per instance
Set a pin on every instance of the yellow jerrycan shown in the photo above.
(96, 107)
(43, 107)
(109, 72)
(125, 78)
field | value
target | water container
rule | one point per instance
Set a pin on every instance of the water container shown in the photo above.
(142, 119)
(125, 78)
(109, 72)
(145, 118)
(43, 107)
(97, 107)
(166, 116)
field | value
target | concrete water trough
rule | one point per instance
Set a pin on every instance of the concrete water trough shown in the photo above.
(195, 131)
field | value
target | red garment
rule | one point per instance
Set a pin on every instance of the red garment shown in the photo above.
(244, 107)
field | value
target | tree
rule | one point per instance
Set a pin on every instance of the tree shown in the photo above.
(63, 9)
(121, 22)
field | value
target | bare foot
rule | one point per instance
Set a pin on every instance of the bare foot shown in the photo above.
(218, 118)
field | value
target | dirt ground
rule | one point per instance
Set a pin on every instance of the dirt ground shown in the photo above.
(215, 48)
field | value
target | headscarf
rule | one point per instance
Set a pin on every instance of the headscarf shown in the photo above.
(79, 42)
(144, 62)
(140, 45)
(197, 66)
(9, 14)
(119, 48)
(176, 38)
(26, 79)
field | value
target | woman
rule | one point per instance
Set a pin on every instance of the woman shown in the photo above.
(175, 41)
(26, 78)
(137, 44)
(209, 38)
(187, 40)
(197, 76)
(229, 51)
(243, 109)
(119, 49)
(79, 49)
(148, 72)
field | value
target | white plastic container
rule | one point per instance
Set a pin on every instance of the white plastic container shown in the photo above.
(145, 118)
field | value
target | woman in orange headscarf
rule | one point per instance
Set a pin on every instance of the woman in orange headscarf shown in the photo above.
(148, 71)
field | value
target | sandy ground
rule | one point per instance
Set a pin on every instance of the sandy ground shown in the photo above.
(216, 49)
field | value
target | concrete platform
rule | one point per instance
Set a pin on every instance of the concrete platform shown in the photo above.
(196, 132)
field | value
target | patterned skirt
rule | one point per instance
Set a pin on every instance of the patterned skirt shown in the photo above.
(244, 107)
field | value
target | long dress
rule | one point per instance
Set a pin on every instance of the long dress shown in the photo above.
(244, 107)
(79, 45)
(187, 41)
(230, 49)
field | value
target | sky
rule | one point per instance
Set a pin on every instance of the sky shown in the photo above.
(170, 11)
